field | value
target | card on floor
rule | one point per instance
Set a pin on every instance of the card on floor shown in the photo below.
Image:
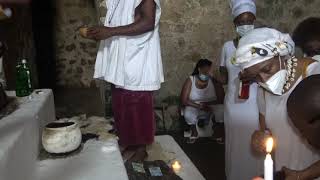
(155, 171)
(138, 167)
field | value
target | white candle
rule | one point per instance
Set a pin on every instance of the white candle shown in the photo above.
(268, 162)
(268, 168)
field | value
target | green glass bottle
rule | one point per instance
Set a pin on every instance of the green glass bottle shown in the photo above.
(23, 83)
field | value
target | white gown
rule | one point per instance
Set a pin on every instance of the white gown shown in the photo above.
(241, 119)
(291, 150)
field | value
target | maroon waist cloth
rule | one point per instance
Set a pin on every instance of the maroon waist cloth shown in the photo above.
(134, 116)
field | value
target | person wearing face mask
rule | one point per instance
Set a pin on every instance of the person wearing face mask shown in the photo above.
(266, 57)
(307, 37)
(199, 92)
(240, 116)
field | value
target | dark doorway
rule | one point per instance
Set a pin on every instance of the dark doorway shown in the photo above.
(43, 31)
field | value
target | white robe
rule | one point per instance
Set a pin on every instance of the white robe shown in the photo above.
(291, 150)
(241, 119)
(130, 62)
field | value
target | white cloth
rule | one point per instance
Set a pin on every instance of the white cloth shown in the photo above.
(167, 145)
(20, 135)
(241, 6)
(241, 119)
(198, 95)
(291, 150)
(130, 62)
(98, 160)
(262, 44)
(316, 57)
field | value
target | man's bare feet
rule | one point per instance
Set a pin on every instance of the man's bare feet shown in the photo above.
(123, 148)
(127, 155)
(140, 154)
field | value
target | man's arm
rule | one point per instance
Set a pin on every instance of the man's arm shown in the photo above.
(311, 172)
(223, 74)
(143, 24)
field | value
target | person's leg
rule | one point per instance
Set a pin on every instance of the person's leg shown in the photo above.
(118, 109)
(139, 127)
(190, 115)
(140, 153)
(194, 131)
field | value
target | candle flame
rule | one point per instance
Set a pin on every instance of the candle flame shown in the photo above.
(176, 165)
(269, 144)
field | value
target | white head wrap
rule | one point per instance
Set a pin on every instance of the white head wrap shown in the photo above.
(241, 6)
(261, 45)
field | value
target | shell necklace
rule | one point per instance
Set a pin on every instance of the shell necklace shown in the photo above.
(291, 66)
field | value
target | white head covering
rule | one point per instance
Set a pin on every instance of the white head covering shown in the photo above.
(261, 45)
(241, 6)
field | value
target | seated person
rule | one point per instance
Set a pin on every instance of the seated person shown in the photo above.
(199, 92)
(307, 37)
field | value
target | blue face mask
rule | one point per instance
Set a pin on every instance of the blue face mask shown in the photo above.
(203, 77)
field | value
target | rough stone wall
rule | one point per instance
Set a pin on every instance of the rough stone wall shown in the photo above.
(189, 29)
(286, 15)
(75, 56)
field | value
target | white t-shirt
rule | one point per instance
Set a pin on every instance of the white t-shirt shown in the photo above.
(130, 62)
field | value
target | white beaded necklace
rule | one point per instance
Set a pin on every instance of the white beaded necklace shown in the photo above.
(292, 64)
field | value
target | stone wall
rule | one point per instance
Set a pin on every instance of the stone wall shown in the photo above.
(75, 56)
(190, 29)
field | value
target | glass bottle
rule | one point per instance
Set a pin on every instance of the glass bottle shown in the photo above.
(244, 90)
(23, 82)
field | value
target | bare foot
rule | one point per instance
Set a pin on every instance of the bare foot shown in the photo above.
(140, 155)
(127, 154)
(123, 148)
(194, 131)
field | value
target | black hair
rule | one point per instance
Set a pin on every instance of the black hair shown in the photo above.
(308, 29)
(201, 63)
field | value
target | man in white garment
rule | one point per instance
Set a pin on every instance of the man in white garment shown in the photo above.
(129, 57)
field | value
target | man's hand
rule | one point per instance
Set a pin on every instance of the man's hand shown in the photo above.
(205, 107)
(100, 32)
(293, 175)
(258, 141)
(257, 178)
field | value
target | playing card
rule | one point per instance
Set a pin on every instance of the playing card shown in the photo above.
(155, 171)
(138, 167)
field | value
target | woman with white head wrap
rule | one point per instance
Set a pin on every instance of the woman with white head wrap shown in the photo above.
(266, 57)
(240, 116)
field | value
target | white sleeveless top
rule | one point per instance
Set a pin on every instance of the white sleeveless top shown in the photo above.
(202, 95)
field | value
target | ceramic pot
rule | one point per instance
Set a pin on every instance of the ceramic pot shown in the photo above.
(61, 137)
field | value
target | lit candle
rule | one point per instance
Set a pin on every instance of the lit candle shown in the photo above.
(176, 166)
(268, 162)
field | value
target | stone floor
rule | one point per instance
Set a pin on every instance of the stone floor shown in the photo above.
(206, 154)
